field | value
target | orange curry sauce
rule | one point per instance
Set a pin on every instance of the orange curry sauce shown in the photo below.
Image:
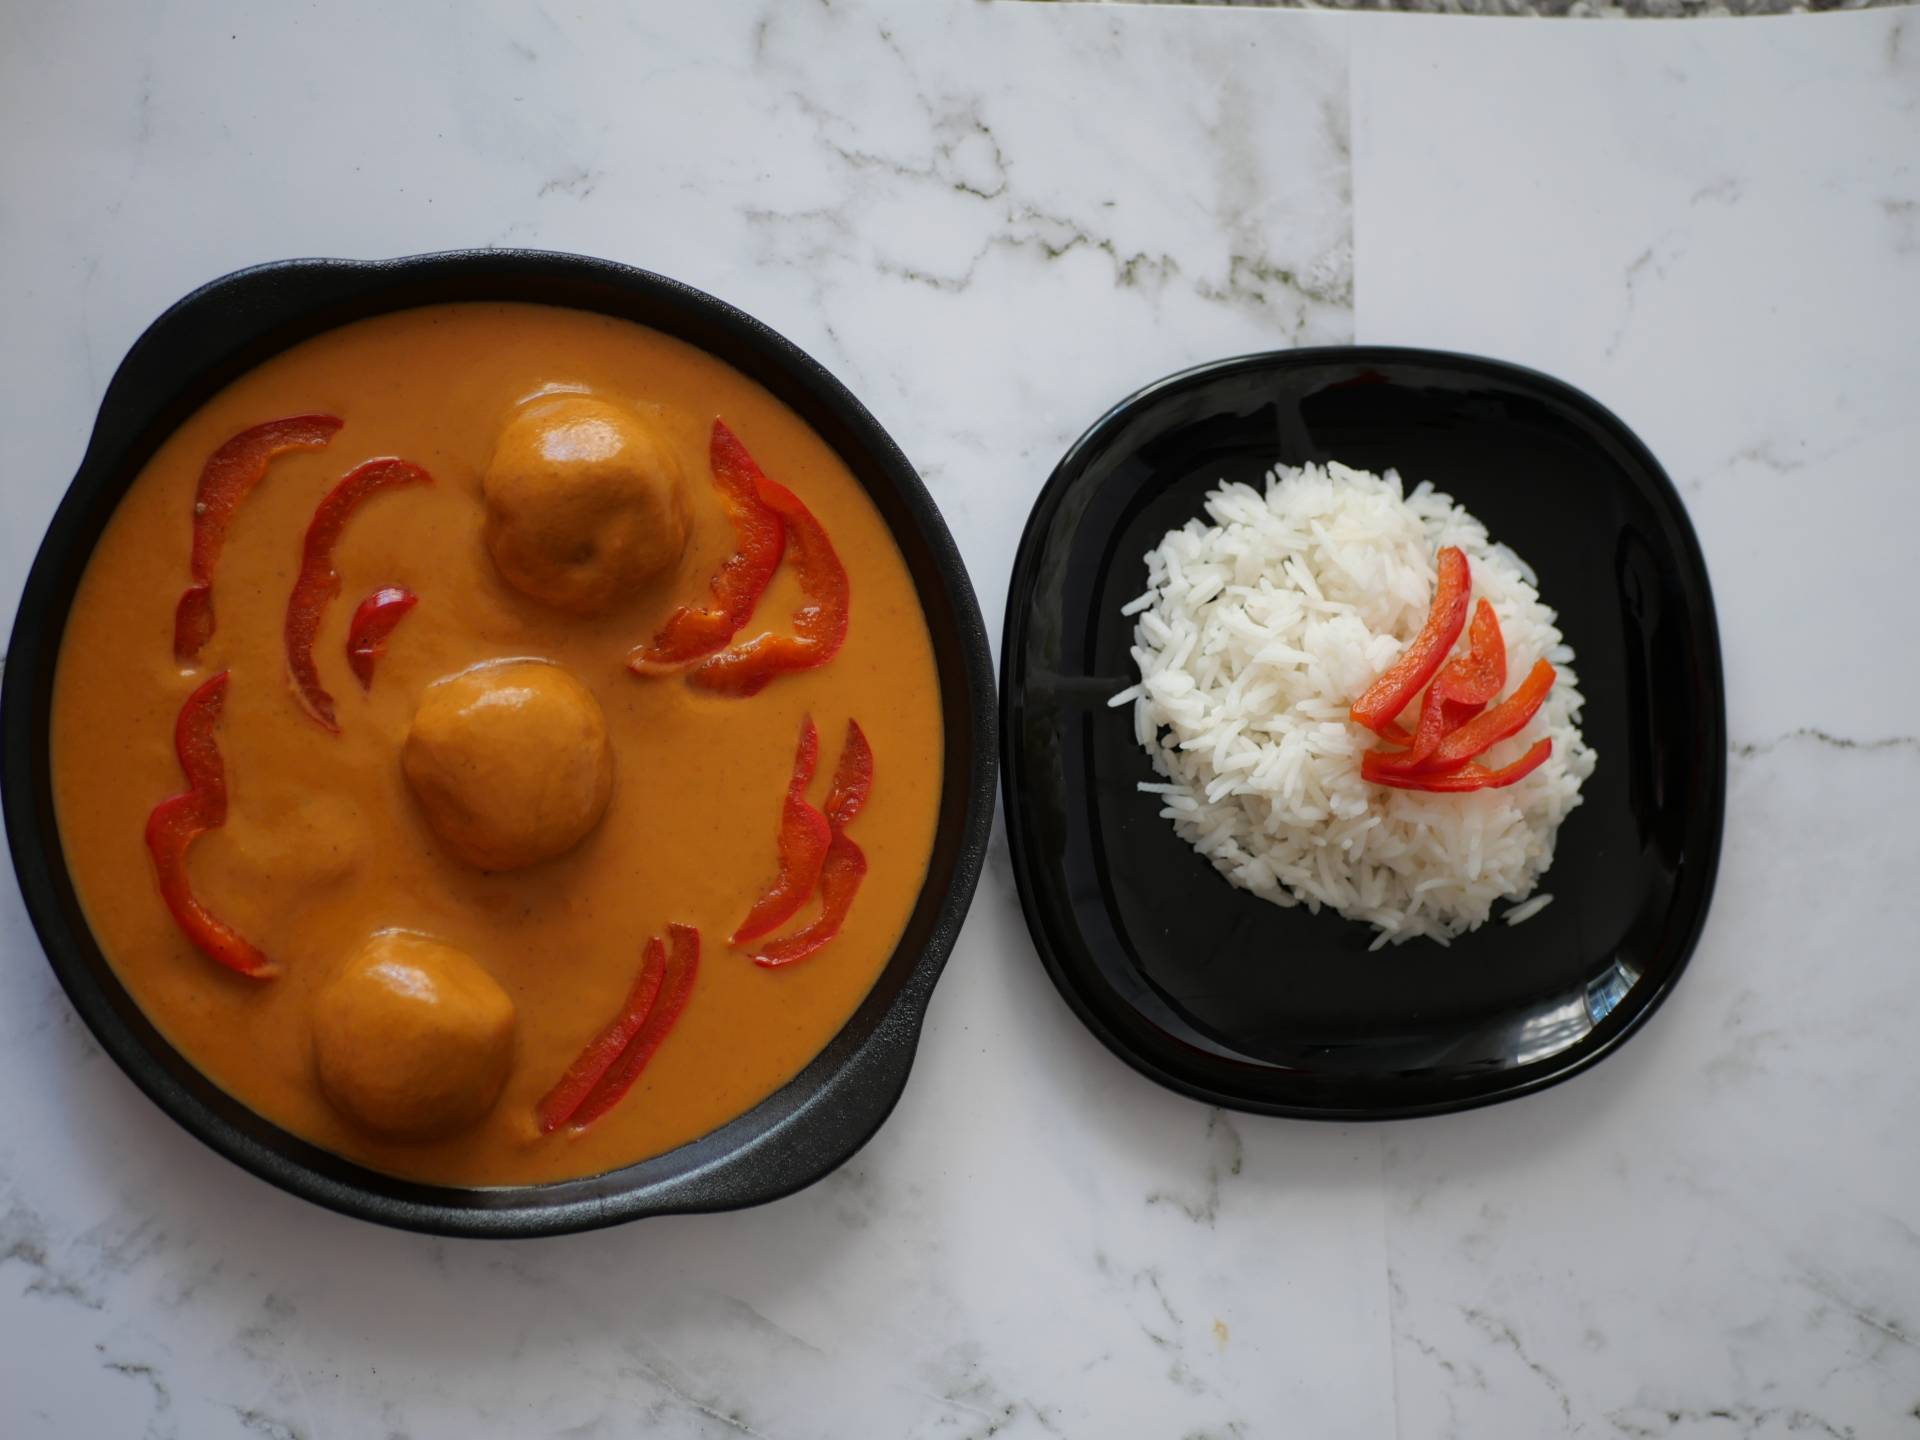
(324, 843)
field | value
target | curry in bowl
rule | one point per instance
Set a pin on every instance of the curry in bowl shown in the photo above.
(497, 743)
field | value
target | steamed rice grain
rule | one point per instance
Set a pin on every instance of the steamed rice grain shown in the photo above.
(1261, 625)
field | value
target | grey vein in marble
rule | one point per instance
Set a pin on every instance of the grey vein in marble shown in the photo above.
(1751, 749)
(959, 153)
(24, 1238)
(1226, 1156)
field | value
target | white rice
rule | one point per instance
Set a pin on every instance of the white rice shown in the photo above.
(1254, 637)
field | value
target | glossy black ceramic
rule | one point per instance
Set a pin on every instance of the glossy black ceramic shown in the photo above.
(1239, 1002)
(794, 1137)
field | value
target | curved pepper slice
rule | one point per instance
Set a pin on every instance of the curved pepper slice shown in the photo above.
(319, 582)
(1490, 727)
(179, 820)
(760, 538)
(804, 838)
(819, 625)
(846, 863)
(560, 1103)
(1401, 681)
(1468, 777)
(373, 622)
(1459, 692)
(682, 963)
(1427, 734)
(840, 877)
(228, 477)
(1467, 682)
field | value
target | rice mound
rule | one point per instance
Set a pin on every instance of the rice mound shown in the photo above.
(1256, 634)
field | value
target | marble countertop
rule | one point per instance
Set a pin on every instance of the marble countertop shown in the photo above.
(1576, 9)
(993, 220)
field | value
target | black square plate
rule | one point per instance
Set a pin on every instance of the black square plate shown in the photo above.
(1239, 1002)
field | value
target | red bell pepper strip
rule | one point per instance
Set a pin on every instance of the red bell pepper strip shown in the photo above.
(373, 622)
(560, 1103)
(1425, 739)
(840, 877)
(1468, 777)
(179, 820)
(760, 538)
(1459, 692)
(819, 625)
(228, 477)
(319, 582)
(1401, 681)
(1490, 727)
(845, 865)
(681, 965)
(804, 838)
(1467, 682)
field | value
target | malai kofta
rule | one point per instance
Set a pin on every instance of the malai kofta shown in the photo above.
(585, 503)
(509, 763)
(497, 743)
(412, 1038)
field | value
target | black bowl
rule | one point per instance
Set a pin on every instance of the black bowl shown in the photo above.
(1229, 998)
(795, 1136)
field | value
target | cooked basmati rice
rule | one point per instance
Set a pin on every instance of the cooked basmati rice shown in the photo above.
(1255, 635)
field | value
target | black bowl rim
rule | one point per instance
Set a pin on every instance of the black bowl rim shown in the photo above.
(1625, 1020)
(813, 1124)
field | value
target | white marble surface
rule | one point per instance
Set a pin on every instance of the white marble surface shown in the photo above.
(992, 220)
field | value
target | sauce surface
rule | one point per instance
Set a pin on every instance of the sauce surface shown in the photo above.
(324, 843)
